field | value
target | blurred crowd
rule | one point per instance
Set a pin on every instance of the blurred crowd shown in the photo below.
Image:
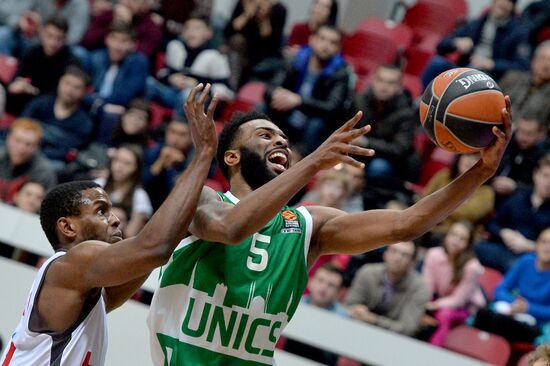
(94, 89)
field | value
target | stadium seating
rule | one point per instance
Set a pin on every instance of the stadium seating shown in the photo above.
(478, 344)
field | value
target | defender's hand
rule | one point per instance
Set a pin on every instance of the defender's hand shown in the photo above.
(337, 148)
(201, 124)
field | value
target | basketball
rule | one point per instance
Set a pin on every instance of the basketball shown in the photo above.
(459, 109)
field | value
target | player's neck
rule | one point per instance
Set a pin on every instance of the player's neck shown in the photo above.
(239, 186)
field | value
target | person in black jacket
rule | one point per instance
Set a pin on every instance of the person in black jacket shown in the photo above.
(312, 90)
(494, 43)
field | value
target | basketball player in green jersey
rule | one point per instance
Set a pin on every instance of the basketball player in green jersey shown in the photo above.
(230, 288)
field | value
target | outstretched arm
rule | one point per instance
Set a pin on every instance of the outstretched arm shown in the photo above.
(224, 223)
(95, 264)
(338, 232)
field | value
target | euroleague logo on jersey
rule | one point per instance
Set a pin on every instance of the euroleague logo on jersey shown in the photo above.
(292, 224)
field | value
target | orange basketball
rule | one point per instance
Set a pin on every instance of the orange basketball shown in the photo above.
(459, 109)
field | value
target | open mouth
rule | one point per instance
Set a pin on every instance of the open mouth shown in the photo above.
(279, 160)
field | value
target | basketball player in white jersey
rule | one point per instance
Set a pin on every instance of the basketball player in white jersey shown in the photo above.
(95, 270)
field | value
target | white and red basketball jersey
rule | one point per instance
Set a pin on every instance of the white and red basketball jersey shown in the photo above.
(82, 344)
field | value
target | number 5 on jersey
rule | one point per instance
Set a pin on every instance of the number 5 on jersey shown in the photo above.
(257, 260)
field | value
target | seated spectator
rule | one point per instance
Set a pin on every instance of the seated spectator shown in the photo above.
(21, 159)
(134, 14)
(118, 76)
(307, 96)
(177, 12)
(523, 297)
(67, 127)
(541, 356)
(324, 288)
(41, 66)
(29, 196)
(321, 12)
(190, 60)
(331, 189)
(521, 156)
(354, 201)
(495, 43)
(24, 18)
(388, 109)
(518, 222)
(167, 160)
(452, 273)
(255, 36)
(134, 125)
(536, 18)
(391, 295)
(531, 89)
(476, 209)
(123, 185)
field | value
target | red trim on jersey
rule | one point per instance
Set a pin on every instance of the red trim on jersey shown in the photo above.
(9, 356)
(87, 359)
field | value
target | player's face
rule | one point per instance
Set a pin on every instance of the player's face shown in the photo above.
(264, 152)
(543, 247)
(96, 220)
(457, 239)
(324, 287)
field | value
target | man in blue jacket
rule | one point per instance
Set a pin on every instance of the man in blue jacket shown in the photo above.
(118, 76)
(494, 43)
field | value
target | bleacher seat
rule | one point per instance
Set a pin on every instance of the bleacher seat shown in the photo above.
(478, 344)
(459, 7)
(426, 19)
(399, 33)
(364, 51)
(489, 281)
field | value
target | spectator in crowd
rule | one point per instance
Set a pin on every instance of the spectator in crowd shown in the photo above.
(521, 156)
(134, 125)
(324, 287)
(134, 14)
(312, 91)
(41, 66)
(66, 126)
(392, 294)
(452, 273)
(541, 356)
(354, 201)
(29, 196)
(190, 60)
(331, 189)
(2, 101)
(255, 37)
(523, 296)
(165, 161)
(177, 12)
(21, 159)
(118, 76)
(123, 185)
(389, 110)
(495, 43)
(476, 209)
(321, 12)
(531, 89)
(21, 21)
(518, 222)
(536, 18)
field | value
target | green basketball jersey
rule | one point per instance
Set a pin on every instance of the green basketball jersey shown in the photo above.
(223, 304)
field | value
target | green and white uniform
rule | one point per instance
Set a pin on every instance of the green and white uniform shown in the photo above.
(223, 304)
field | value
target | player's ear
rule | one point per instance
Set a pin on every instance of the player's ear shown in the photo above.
(232, 157)
(67, 227)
